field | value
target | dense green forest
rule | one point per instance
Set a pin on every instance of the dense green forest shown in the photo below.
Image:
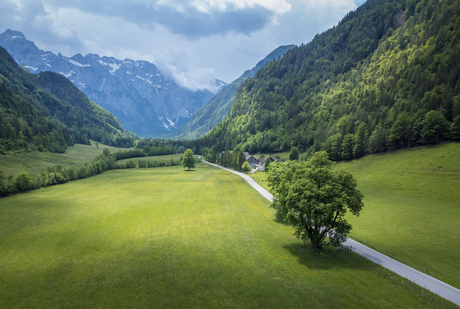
(46, 112)
(387, 76)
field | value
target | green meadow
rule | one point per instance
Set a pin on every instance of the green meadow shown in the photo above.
(412, 207)
(165, 237)
(34, 162)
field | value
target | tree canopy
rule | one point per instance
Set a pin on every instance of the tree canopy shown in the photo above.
(188, 160)
(314, 198)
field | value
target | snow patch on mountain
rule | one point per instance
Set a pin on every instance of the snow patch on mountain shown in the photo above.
(78, 64)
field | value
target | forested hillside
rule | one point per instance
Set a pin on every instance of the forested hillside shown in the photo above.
(387, 76)
(46, 112)
(216, 109)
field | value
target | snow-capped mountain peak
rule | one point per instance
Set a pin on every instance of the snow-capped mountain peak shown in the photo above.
(136, 92)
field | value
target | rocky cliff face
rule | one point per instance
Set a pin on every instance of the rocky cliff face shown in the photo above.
(146, 101)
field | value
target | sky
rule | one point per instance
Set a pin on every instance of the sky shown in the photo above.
(192, 41)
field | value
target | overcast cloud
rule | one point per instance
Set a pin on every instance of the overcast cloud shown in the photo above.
(194, 41)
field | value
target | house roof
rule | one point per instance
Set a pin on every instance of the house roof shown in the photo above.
(246, 154)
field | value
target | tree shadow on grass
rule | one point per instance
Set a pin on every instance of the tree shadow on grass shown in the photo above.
(327, 258)
(280, 220)
(190, 170)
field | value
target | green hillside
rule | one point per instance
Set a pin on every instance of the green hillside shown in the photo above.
(216, 109)
(164, 237)
(387, 76)
(411, 207)
(46, 112)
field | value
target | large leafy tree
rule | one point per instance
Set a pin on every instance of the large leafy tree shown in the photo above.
(434, 127)
(400, 130)
(314, 199)
(188, 160)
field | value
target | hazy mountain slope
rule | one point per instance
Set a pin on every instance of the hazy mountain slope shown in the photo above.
(47, 112)
(216, 109)
(144, 99)
(386, 76)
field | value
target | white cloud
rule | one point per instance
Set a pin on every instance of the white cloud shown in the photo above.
(193, 41)
(207, 6)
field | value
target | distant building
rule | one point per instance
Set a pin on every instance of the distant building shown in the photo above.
(251, 160)
(260, 165)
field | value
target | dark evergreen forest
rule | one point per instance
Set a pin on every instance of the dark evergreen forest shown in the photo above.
(386, 77)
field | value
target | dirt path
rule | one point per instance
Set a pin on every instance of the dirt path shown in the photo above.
(434, 285)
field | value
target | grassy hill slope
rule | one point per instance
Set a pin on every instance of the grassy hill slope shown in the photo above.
(34, 162)
(171, 238)
(412, 207)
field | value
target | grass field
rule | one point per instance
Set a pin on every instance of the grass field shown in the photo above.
(165, 237)
(34, 162)
(411, 207)
(261, 179)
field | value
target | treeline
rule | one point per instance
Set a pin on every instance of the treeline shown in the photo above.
(161, 146)
(46, 112)
(61, 174)
(388, 76)
(233, 160)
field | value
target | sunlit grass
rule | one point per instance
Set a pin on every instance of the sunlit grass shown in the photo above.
(261, 179)
(412, 207)
(166, 237)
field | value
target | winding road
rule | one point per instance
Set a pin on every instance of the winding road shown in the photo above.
(434, 285)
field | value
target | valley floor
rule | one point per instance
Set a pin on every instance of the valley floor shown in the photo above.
(166, 237)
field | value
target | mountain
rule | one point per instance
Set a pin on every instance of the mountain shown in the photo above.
(216, 109)
(387, 76)
(145, 100)
(46, 112)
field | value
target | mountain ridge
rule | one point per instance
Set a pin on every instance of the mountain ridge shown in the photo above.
(145, 100)
(47, 112)
(387, 76)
